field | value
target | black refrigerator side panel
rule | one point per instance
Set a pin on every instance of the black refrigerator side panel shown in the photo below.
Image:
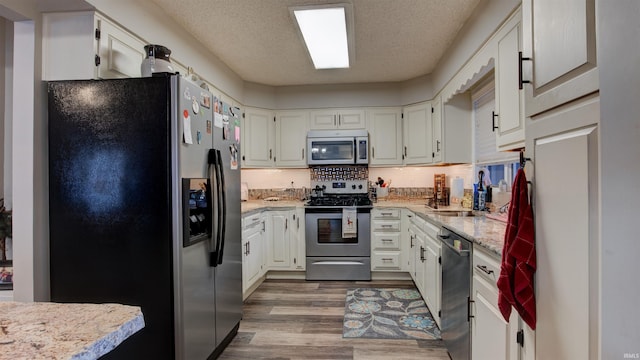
(110, 203)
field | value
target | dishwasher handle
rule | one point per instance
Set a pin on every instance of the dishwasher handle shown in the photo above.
(450, 246)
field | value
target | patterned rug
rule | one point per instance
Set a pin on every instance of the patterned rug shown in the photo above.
(388, 314)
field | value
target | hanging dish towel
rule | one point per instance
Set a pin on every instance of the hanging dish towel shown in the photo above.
(349, 223)
(518, 267)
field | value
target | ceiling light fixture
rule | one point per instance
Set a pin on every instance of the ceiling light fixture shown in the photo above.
(326, 31)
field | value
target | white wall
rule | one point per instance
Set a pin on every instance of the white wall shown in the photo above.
(618, 31)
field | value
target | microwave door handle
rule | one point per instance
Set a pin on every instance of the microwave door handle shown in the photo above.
(223, 205)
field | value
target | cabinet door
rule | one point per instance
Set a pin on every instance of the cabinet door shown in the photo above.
(298, 244)
(433, 278)
(418, 134)
(560, 37)
(278, 239)
(252, 264)
(385, 136)
(509, 99)
(492, 337)
(436, 119)
(564, 146)
(120, 52)
(291, 136)
(323, 119)
(351, 119)
(257, 145)
(420, 259)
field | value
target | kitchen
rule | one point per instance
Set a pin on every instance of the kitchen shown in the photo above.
(609, 225)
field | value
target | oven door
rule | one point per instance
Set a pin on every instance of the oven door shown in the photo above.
(331, 151)
(324, 234)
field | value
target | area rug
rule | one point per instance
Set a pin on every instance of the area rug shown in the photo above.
(388, 314)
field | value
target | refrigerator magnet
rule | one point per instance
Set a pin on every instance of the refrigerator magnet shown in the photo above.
(194, 105)
(206, 100)
(233, 149)
(186, 120)
(198, 137)
(208, 126)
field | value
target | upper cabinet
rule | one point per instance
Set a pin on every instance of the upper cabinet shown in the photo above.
(418, 134)
(258, 136)
(508, 119)
(385, 136)
(455, 130)
(85, 45)
(436, 119)
(337, 119)
(559, 38)
(291, 136)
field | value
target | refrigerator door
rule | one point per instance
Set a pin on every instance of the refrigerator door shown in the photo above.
(110, 205)
(195, 281)
(226, 143)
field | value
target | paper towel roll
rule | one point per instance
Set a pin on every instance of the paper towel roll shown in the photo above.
(457, 188)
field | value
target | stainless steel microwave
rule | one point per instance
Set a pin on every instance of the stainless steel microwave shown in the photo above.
(338, 147)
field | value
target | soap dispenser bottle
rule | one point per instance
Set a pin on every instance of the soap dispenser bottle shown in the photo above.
(481, 192)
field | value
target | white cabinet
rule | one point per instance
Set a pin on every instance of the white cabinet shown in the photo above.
(258, 138)
(508, 121)
(298, 244)
(278, 239)
(417, 134)
(386, 247)
(291, 136)
(491, 336)
(385, 136)
(406, 238)
(560, 37)
(436, 119)
(86, 45)
(337, 119)
(455, 124)
(253, 265)
(564, 146)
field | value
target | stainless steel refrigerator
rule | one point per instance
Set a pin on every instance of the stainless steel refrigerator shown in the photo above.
(144, 209)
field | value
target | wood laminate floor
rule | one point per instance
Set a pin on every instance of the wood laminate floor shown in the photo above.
(297, 319)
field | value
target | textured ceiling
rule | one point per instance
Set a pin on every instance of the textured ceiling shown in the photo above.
(395, 40)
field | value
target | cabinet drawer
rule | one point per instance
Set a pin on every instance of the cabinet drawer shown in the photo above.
(250, 220)
(383, 225)
(385, 260)
(385, 241)
(486, 266)
(386, 213)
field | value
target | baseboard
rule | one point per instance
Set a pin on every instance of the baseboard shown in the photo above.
(389, 275)
(284, 275)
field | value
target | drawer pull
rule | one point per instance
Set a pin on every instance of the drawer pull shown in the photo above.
(386, 226)
(387, 240)
(386, 213)
(484, 269)
(387, 259)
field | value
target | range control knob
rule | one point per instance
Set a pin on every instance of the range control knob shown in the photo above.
(359, 186)
(354, 186)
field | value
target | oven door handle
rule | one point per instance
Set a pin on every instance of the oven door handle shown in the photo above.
(334, 262)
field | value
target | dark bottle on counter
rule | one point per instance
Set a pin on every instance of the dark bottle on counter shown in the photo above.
(475, 196)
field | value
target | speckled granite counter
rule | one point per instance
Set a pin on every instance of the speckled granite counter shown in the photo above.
(64, 331)
(485, 232)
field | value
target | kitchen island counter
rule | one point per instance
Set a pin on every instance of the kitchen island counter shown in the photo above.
(44, 330)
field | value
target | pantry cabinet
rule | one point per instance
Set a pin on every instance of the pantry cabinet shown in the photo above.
(417, 134)
(560, 38)
(508, 119)
(385, 136)
(564, 146)
(258, 134)
(291, 135)
(337, 119)
(86, 45)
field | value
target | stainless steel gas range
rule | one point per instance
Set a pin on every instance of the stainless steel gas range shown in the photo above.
(338, 241)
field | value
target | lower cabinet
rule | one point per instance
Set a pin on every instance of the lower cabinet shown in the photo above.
(278, 239)
(491, 336)
(386, 247)
(253, 260)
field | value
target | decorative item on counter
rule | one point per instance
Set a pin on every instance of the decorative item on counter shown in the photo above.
(481, 192)
(467, 201)
(440, 195)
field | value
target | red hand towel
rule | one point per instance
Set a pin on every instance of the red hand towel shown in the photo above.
(515, 283)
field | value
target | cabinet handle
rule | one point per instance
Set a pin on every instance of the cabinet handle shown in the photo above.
(493, 121)
(387, 260)
(386, 240)
(286, 224)
(270, 154)
(520, 60)
(437, 145)
(422, 258)
(302, 154)
(335, 120)
(386, 213)
(405, 151)
(385, 226)
(411, 237)
(484, 269)
(263, 227)
(298, 220)
(339, 120)
(373, 152)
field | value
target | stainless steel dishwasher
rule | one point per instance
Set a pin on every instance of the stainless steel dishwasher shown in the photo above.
(456, 292)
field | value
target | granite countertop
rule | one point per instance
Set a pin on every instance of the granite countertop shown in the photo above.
(481, 230)
(478, 229)
(64, 331)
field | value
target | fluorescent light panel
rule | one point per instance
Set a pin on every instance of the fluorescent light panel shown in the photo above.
(325, 33)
